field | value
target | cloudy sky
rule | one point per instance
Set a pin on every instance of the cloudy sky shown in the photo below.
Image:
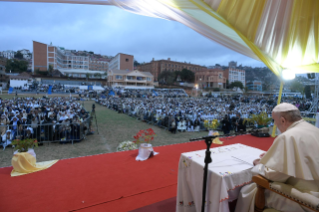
(108, 30)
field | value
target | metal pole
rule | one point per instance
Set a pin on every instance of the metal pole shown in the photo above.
(208, 160)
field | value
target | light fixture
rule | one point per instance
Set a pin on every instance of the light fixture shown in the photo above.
(288, 74)
(196, 86)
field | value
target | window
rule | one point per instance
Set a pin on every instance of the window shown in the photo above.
(129, 77)
(126, 59)
(148, 79)
(118, 77)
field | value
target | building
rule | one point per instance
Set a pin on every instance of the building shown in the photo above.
(254, 85)
(122, 62)
(61, 59)
(22, 80)
(232, 64)
(233, 75)
(98, 64)
(130, 79)
(26, 54)
(155, 67)
(9, 54)
(210, 78)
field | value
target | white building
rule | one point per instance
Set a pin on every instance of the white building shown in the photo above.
(9, 54)
(26, 54)
(22, 80)
(236, 75)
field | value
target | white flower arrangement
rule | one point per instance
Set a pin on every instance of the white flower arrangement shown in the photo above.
(126, 145)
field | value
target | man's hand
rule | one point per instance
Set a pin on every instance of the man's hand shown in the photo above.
(256, 162)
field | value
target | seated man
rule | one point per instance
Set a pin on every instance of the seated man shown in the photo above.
(240, 125)
(292, 159)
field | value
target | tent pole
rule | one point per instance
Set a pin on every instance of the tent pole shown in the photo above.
(278, 102)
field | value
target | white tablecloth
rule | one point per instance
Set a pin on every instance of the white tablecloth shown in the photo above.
(225, 177)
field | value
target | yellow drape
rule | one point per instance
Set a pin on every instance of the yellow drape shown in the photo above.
(244, 15)
(24, 163)
(278, 102)
(302, 43)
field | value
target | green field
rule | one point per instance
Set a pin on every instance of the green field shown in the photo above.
(113, 129)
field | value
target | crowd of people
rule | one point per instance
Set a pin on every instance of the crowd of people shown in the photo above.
(45, 119)
(187, 114)
(145, 93)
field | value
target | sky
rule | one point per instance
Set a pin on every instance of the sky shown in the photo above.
(108, 30)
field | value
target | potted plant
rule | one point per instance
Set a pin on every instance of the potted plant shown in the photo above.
(143, 138)
(261, 120)
(211, 125)
(25, 145)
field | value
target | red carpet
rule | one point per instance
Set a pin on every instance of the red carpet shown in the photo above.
(106, 182)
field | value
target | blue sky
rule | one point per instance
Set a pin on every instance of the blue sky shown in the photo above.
(108, 30)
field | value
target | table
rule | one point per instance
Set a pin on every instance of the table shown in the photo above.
(226, 176)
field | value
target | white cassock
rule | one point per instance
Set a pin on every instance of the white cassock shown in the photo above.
(292, 159)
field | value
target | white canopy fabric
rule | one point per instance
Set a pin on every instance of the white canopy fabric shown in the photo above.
(284, 34)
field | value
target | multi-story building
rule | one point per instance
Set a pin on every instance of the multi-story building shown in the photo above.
(122, 62)
(9, 54)
(155, 67)
(210, 78)
(130, 79)
(98, 64)
(26, 54)
(235, 75)
(255, 85)
(66, 61)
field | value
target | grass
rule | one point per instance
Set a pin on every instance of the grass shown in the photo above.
(113, 129)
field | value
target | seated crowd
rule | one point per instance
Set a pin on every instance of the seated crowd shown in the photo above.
(143, 93)
(187, 114)
(44, 119)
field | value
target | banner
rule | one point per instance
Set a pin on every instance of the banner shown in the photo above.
(50, 89)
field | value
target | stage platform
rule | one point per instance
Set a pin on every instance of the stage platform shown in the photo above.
(105, 182)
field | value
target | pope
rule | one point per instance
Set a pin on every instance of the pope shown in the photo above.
(292, 159)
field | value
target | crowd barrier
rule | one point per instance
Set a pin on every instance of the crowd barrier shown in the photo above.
(48, 132)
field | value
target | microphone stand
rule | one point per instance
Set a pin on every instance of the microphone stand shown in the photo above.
(208, 160)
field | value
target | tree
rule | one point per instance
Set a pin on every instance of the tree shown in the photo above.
(90, 52)
(296, 86)
(87, 76)
(237, 84)
(136, 63)
(18, 55)
(16, 66)
(167, 77)
(50, 70)
(187, 75)
(307, 91)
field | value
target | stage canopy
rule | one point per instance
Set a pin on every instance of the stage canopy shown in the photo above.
(284, 34)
